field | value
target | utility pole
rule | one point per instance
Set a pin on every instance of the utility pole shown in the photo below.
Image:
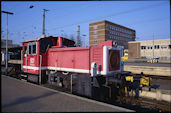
(43, 30)
(153, 46)
(78, 37)
(6, 66)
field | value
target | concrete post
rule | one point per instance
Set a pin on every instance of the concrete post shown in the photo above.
(158, 95)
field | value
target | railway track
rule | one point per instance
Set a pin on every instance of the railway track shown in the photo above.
(160, 77)
(140, 105)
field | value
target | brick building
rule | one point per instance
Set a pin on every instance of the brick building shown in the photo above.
(104, 30)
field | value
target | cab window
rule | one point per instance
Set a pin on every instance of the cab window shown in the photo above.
(45, 45)
(25, 49)
(29, 48)
(32, 48)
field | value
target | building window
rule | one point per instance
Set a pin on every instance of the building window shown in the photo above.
(156, 47)
(95, 41)
(163, 46)
(109, 26)
(143, 47)
(95, 36)
(95, 32)
(169, 46)
(127, 32)
(95, 26)
(150, 47)
(114, 28)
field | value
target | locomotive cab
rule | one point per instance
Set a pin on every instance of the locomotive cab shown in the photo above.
(35, 53)
(30, 59)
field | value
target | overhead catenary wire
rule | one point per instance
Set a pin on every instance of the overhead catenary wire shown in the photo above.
(115, 14)
(84, 7)
(37, 19)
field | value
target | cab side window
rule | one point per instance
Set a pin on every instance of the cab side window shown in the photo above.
(32, 48)
(45, 45)
(25, 49)
(29, 48)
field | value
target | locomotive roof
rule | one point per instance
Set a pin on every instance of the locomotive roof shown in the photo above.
(32, 40)
(39, 39)
(43, 38)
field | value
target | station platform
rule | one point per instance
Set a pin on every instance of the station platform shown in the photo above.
(20, 96)
(156, 69)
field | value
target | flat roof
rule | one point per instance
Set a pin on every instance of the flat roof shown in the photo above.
(111, 23)
(146, 40)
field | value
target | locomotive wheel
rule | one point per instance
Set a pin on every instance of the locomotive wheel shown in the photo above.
(62, 79)
(65, 80)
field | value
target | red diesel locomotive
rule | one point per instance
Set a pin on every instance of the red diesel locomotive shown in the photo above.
(59, 54)
(96, 72)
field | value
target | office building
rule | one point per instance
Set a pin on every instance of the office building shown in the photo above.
(104, 30)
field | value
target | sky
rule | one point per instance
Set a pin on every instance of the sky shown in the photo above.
(147, 18)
